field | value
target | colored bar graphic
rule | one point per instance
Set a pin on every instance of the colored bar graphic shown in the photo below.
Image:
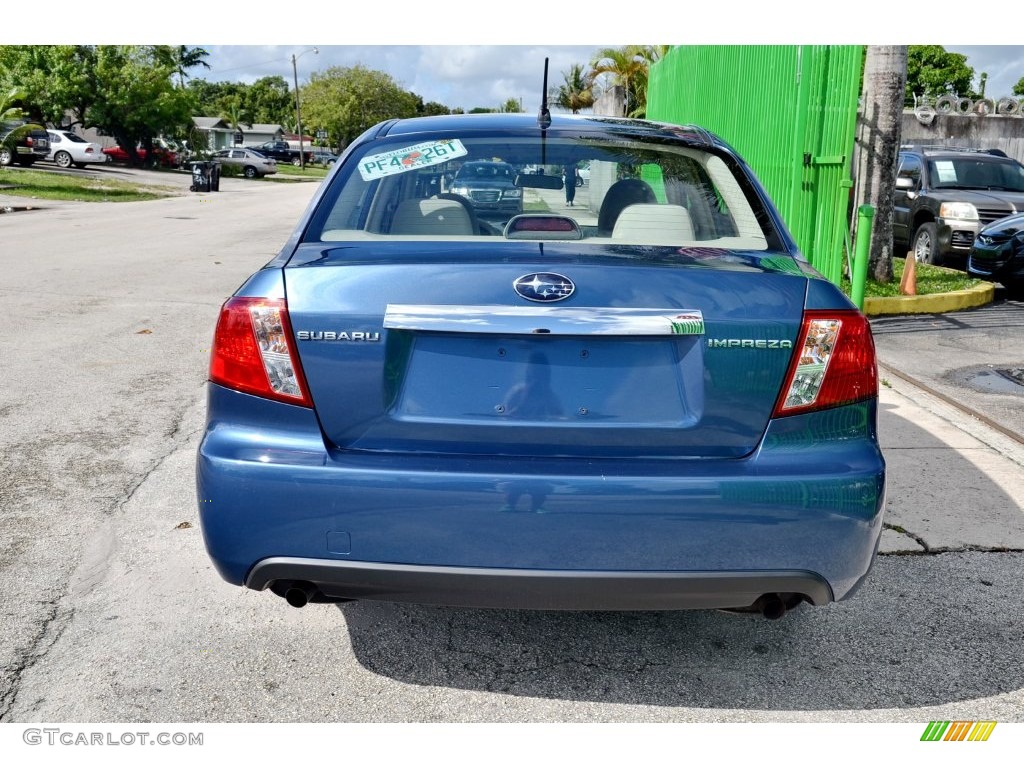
(958, 730)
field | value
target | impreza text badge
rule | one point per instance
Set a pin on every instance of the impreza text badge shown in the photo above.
(544, 287)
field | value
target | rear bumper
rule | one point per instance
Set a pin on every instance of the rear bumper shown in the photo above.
(801, 515)
(536, 589)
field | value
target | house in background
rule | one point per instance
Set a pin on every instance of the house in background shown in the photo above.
(219, 134)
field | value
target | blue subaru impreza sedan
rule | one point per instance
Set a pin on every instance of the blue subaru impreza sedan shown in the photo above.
(648, 400)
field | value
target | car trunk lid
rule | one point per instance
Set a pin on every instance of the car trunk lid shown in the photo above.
(642, 360)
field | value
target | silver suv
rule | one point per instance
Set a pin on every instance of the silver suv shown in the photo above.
(945, 195)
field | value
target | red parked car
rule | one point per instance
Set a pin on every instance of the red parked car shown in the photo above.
(165, 158)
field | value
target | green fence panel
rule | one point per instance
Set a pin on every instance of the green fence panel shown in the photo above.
(791, 112)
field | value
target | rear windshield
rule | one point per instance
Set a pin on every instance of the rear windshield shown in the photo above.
(592, 189)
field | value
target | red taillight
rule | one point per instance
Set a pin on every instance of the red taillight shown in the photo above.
(29, 141)
(833, 364)
(254, 351)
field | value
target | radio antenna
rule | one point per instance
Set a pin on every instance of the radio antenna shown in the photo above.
(544, 116)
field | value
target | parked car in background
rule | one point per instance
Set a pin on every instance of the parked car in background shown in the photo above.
(653, 404)
(583, 175)
(945, 195)
(163, 157)
(22, 143)
(283, 152)
(998, 254)
(253, 164)
(322, 157)
(489, 187)
(68, 148)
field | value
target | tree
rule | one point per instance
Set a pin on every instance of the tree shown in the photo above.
(7, 109)
(629, 66)
(345, 101)
(649, 54)
(126, 91)
(511, 105)
(430, 108)
(135, 99)
(1018, 89)
(577, 92)
(933, 72)
(53, 79)
(623, 65)
(878, 142)
(269, 100)
(182, 58)
(236, 115)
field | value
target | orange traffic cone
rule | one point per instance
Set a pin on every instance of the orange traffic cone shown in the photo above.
(908, 283)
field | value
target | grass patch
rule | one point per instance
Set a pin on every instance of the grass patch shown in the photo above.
(315, 172)
(930, 280)
(55, 186)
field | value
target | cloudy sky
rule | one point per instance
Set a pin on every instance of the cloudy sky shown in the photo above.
(470, 76)
(464, 76)
(463, 53)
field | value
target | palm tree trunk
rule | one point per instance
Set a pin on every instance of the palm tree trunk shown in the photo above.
(878, 143)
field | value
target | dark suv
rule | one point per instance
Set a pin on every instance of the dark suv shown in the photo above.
(23, 143)
(490, 188)
(945, 195)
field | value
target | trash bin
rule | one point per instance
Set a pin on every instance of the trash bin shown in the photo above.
(205, 176)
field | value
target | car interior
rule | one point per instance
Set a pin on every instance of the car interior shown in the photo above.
(635, 195)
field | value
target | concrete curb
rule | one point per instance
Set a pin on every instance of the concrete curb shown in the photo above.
(934, 304)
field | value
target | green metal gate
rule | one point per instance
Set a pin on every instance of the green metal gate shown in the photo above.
(791, 112)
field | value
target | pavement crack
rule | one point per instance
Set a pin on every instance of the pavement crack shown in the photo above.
(967, 548)
(904, 532)
(174, 434)
(50, 630)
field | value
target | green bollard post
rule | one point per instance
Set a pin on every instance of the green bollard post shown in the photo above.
(862, 250)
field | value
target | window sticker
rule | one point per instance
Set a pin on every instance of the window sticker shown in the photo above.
(947, 174)
(410, 158)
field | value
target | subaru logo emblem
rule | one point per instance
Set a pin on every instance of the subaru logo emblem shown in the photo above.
(544, 286)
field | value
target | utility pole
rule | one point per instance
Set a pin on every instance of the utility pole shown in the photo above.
(298, 108)
(878, 144)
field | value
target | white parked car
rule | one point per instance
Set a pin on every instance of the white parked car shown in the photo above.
(67, 149)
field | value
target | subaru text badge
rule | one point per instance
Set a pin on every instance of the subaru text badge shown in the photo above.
(544, 286)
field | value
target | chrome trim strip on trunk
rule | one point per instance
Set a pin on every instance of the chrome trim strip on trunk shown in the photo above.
(556, 321)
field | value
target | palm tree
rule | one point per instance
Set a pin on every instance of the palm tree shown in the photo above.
(577, 92)
(623, 64)
(650, 54)
(236, 114)
(182, 58)
(629, 67)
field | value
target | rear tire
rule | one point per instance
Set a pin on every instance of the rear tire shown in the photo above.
(63, 159)
(250, 172)
(925, 245)
(6, 157)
